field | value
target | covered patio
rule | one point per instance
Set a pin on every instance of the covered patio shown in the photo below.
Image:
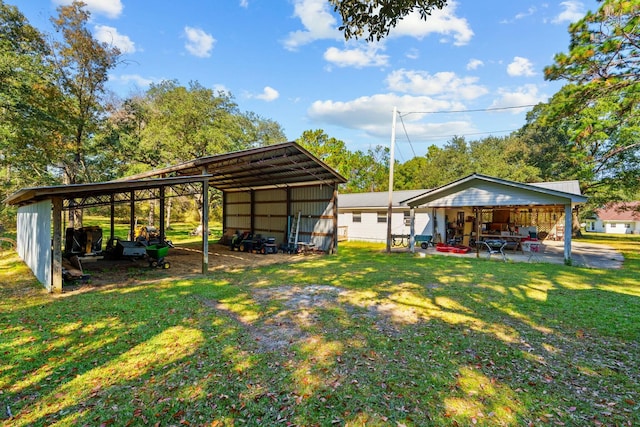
(478, 208)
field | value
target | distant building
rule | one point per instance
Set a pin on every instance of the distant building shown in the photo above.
(619, 218)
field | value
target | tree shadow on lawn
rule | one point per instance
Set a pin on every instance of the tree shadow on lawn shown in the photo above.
(324, 342)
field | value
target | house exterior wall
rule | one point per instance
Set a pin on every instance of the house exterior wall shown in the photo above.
(613, 227)
(34, 239)
(370, 230)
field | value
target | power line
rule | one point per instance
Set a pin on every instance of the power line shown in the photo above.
(479, 110)
(467, 134)
(407, 135)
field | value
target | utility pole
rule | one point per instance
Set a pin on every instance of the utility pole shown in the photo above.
(391, 162)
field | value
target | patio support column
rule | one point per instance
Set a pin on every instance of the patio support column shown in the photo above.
(568, 225)
(412, 229)
(56, 262)
(205, 222)
(478, 214)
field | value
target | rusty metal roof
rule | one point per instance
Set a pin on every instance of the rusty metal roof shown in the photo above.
(273, 166)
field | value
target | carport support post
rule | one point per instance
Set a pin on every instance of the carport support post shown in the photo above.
(205, 223)
(56, 262)
(568, 230)
(412, 229)
(162, 214)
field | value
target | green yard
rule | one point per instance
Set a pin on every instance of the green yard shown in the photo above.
(360, 338)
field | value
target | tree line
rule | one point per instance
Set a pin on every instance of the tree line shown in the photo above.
(60, 125)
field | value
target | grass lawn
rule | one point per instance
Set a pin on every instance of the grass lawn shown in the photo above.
(359, 338)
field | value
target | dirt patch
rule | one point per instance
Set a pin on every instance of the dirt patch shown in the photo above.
(300, 312)
(183, 261)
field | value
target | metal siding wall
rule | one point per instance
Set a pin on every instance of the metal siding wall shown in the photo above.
(238, 211)
(270, 213)
(316, 221)
(270, 216)
(34, 239)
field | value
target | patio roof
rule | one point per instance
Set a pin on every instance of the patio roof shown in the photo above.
(483, 190)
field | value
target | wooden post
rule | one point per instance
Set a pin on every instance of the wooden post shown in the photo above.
(56, 262)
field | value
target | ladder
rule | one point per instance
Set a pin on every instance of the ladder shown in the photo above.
(293, 233)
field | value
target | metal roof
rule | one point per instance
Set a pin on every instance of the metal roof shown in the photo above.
(96, 190)
(377, 199)
(273, 166)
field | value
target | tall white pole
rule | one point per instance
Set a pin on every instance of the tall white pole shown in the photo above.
(391, 162)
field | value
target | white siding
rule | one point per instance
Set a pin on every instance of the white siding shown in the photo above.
(492, 194)
(34, 239)
(370, 230)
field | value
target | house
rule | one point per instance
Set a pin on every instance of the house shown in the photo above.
(462, 211)
(618, 218)
(363, 216)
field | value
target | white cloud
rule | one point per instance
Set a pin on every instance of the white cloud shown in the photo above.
(198, 43)
(520, 67)
(372, 114)
(108, 8)
(444, 83)
(357, 57)
(442, 21)
(573, 10)
(317, 20)
(244, 3)
(268, 94)
(413, 54)
(529, 12)
(524, 95)
(474, 64)
(110, 35)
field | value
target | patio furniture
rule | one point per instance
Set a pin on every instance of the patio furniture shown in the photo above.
(495, 247)
(534, 249)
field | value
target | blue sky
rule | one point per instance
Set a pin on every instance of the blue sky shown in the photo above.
(286, 61)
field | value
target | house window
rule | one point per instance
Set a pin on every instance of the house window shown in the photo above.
(627, 226)
(382, 217)
(613, 225)
(357, 217)
(407, 218)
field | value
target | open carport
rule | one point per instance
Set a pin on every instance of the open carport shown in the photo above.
(264, 189)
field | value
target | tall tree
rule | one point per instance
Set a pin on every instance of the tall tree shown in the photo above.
(27, 102)
(82, 64)
(373, 19)
(599, 109)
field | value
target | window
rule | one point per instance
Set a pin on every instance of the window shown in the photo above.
(627, 226)
(382, 217)
(407, 218)
(612, 225)
(357, 217)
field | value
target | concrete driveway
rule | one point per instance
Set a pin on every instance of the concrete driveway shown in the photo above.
(583, 254)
